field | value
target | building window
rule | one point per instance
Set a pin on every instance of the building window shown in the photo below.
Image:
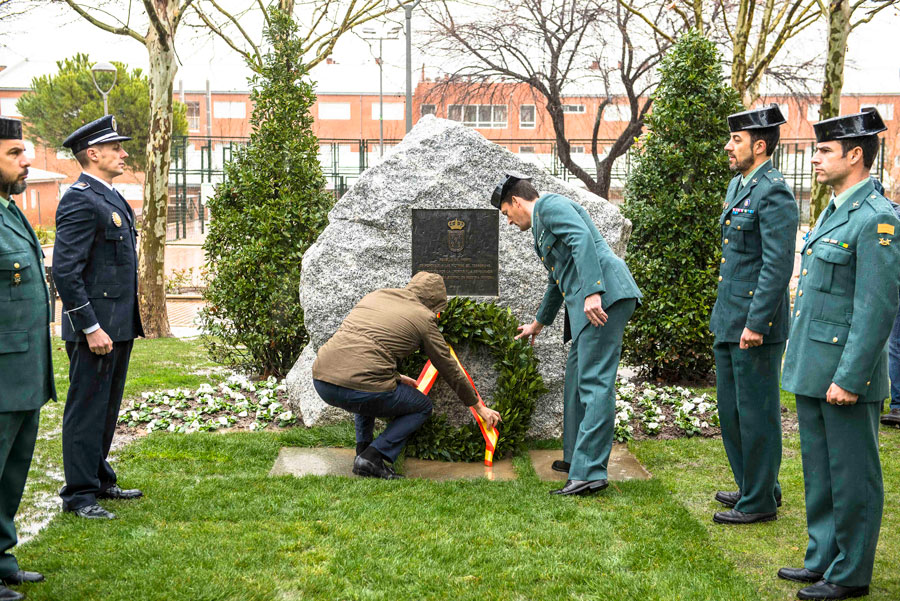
(485, 116)
(573, 108)
(393, 111)
(617, 112)
(526, 117)
(526, 149)
(812, 111)
(334, 110)
(192, 113)
(229, 110)
(8, 107)
(886, 111)
(576, 149)
(427, 109)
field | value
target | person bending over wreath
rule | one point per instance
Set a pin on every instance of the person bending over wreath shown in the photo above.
(356, 370)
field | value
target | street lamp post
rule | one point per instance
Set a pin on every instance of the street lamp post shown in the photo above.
(370, 33)
(408, 8)
(104, 67)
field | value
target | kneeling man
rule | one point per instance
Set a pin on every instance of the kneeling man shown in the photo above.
(356, 369)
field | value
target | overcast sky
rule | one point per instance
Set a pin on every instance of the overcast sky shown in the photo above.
(51, 32)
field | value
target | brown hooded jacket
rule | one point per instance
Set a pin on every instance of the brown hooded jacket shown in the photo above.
(384, 328)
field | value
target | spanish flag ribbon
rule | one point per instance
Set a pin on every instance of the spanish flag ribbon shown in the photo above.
(426, 381)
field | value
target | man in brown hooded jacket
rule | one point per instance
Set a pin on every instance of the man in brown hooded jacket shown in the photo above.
(356, 369)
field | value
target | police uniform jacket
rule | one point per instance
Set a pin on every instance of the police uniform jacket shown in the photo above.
(95, 262)
(578, 260)
(758, 230)
(847, 299)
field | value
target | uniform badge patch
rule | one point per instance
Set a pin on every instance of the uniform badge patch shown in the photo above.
(885, 228)
(80, 185)
(116, 219)
(884, 241)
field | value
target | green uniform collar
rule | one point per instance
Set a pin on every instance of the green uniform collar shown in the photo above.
(4, 202)
(747, 177)
(843, 196)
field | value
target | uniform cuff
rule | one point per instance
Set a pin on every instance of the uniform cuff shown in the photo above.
(91, 329)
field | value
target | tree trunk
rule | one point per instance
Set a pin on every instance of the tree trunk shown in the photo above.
(739, 56)
(152, 282)
(558, 118)
(838, 32)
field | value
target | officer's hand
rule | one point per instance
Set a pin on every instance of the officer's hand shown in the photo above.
(99, 342)
(593, 310)
(531, 330)
(408, 381)
(750, 338)
(491, 418)
(838, 396)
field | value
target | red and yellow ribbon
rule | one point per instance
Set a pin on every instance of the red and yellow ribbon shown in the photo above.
(427, 379)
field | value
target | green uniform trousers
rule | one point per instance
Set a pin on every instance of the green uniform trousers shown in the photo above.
(844, 489)
(589, 395)
(749, 399)
(18, 433)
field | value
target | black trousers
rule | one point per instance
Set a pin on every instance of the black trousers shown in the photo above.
(96, 383)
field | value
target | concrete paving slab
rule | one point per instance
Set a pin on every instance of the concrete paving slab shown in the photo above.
(299, 461)
(622, 465)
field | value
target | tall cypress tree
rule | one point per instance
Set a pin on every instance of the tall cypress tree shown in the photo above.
(270, 208)
(674, 198)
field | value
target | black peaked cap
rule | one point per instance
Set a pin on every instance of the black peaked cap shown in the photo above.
(767, 116)
(503, 187)
(101, 131)
(865, 123)
(10, 129)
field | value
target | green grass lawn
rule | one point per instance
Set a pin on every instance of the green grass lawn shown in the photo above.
(214, 525)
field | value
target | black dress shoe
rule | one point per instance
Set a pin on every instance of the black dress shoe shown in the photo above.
(581, 487)
(21, 577)
(730, 499)
(827, 590)
(733, 516)
(799, 575)
(93, 512)
(114, 492)
(891, 418)
(560, 466)
(373, 469)
(7, 594)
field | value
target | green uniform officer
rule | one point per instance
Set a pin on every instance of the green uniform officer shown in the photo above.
(25, 364)
(836, 359)
(751, 317)
(600, 295)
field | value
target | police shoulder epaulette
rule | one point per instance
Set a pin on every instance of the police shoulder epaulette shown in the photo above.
(80, 185)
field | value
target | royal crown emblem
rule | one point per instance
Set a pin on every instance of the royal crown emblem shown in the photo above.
(456, 236)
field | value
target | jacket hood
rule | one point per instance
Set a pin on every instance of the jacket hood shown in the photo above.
(429, 289)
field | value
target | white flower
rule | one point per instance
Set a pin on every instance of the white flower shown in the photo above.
(254, 426)
(242, 414)
(286, 416)
(223, 420)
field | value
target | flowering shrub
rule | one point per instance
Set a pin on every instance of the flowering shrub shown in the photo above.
(237, 402)
(669, 410)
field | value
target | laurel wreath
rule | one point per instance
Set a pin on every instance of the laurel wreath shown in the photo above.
(519, 384)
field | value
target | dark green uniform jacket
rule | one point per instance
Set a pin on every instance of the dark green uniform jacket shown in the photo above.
(25, 364)
(759, 229)
(847, 299)
(578, 260)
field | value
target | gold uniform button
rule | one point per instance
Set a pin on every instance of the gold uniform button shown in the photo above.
(869, 382)
(726, 240)
(770, 324)
(803, 272)
(564, 295)
(552, 268)
(121, 238)
(738, 227)
(834, 339)
(720, 278)
(728, 222)
(800, 293)
(542, 259)
(809, 251)
(723, 259)
(751, 293)
(104, 294)
(798, 314)
(557, 281)
(15, 265)
(598, 281)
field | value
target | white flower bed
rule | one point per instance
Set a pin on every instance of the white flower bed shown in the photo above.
(671, 411)
(236, 403)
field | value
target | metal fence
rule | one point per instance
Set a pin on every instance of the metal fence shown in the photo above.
(198, 165)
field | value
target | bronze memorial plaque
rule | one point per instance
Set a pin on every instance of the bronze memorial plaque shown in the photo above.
(459, 244)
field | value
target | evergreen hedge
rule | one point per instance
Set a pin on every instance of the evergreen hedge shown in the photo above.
(674, 197)
(270, 208)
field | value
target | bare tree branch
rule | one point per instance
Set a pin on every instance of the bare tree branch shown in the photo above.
(122, 30)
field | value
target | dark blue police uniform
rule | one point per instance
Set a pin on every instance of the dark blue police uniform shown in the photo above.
(95, 270)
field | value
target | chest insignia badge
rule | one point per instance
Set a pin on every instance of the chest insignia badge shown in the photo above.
(116, 219)
(884, 241)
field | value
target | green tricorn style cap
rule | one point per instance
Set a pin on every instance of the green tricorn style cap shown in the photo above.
(767, 116)
(100, 131)
(10, 129)
(865, 123)
(503, 187)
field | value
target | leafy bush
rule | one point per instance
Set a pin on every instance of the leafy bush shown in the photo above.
(674, 197)
(45, 235)
(466, 322)
(269, 210)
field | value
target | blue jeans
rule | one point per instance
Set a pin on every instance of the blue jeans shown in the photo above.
(894, 364)
(409, 408)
